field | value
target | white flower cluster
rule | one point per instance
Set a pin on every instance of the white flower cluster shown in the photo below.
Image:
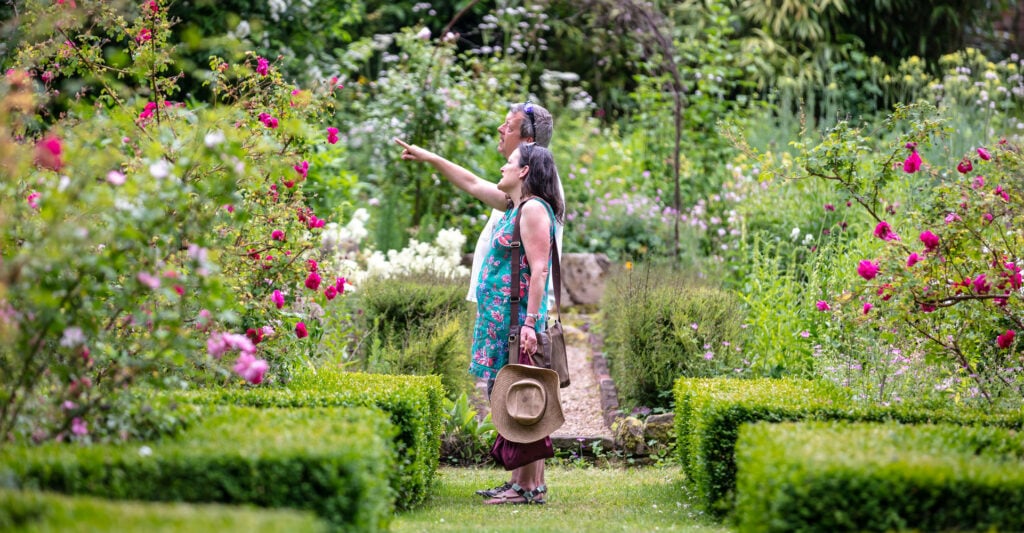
(442, 258)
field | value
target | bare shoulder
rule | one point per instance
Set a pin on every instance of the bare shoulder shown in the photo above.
(535, 210)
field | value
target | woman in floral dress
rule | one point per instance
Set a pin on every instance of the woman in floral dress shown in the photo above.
(529, 183)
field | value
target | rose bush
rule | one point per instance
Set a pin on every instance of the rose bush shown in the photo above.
(945, 276)
(146, 240)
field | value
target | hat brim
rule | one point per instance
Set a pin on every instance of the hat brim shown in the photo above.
(508, 427)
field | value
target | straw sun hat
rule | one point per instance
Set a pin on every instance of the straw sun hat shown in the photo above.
(525, 404)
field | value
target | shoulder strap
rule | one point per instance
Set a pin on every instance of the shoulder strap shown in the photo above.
(516, 245)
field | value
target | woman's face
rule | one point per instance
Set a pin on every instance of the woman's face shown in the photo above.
(511, 174)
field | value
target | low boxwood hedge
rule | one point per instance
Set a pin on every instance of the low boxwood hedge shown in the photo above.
(32, 511)
(413, 403)
(829, 476)
(335, 462)
(709, 413)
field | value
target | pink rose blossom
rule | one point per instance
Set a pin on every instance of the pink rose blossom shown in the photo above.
(48, 152)
(144, 35)
(830, 207)
(822, 305)
(913, 259)
(867, 307)
(987, 217)
(302, 168)
(250, 368)
(220, 343)
(33, 200)
(885, 291)
(884, 231)
(930, 240)
(927, 308)
(79, 427)
(339, 285)
(953, 217)
(300, 330)
(262, 66)
(1005, 340)
(965, 166)
(867, 269)
(115, 178)
(313, 281)
(912, 163)
(1001, 193)
(148, 280)
(278, 299)
(330, 292)
(983, 153)
(979, 182)
(277, 235)
(332, 135)
(981, 285)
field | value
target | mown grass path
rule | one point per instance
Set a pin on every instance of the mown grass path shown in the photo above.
(580, 499)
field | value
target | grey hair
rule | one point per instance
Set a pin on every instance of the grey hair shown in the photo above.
(540, 129)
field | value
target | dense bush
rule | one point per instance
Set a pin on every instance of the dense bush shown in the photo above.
(24, 511)
(418, 324)
(412, 403)
(709, 413)
(335, 462)
(146, 239)
(659, 326)
(878, 477)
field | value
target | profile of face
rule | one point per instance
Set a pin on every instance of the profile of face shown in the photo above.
(512, 174)
(509, 137)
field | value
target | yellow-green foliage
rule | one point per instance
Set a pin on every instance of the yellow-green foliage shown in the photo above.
(335, 462)
(413, 403)
(709, 413)
(31, 512)
(827, 476)
(660, 326)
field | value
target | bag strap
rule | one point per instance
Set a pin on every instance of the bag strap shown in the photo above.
(516, 245)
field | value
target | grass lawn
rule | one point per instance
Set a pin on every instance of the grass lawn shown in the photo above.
(579, 499)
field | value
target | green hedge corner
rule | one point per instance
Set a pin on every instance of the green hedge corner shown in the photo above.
(414, 405)
(710, 412)
(334, 462)
(834, 476)
(32, 512)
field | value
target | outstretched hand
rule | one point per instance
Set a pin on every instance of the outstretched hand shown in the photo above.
(412, 152)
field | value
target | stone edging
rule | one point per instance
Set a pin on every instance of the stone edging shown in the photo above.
(609, 394)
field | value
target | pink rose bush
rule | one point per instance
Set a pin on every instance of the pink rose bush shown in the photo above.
(954, 293)
(170, 272)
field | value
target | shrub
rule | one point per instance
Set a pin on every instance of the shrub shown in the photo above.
(39, 511)
(709, 413)
(335, 462)
(659, 327)
(418, 324)
(413, 404)
(878, 477)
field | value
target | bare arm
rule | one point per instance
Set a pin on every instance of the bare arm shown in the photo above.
(480, 188)
(536, 234)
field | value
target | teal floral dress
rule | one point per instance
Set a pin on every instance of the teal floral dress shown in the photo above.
(493, 292)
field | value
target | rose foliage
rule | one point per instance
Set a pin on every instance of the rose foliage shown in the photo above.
(144, 239)
(945, 274)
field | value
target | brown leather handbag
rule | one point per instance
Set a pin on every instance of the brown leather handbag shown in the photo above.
(550, 342)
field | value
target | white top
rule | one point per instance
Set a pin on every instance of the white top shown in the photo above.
(483, 247)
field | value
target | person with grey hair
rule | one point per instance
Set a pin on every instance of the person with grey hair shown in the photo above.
(526, 122)
(525, 126)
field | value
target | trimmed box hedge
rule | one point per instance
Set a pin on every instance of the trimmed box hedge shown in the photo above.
(709, 413)
(31, 511)
(828, 476)
(335, 462)
(413, 403)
